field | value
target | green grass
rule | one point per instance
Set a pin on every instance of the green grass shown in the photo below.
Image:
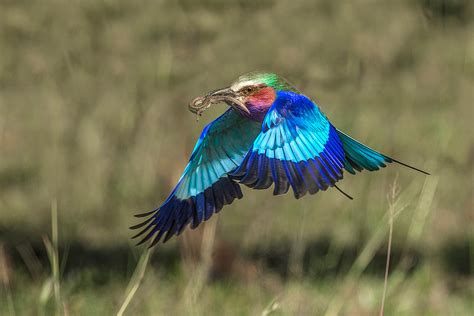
(93, 115)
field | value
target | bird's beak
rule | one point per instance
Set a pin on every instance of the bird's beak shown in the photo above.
(228, 96)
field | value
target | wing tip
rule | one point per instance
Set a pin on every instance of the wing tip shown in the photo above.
(176, 214)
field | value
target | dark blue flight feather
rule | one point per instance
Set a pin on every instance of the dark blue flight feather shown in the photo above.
(297, 147)
(205, 187)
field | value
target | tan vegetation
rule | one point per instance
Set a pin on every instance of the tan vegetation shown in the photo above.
(94, 125)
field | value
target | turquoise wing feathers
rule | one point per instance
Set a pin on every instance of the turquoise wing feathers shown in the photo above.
(297, 147)
(205, 187)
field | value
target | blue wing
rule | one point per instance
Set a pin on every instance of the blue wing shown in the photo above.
(205, 187)
(297, 147)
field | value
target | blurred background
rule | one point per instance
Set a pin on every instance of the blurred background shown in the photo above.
(94, 128)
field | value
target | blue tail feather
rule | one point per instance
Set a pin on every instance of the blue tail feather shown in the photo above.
(359, 156)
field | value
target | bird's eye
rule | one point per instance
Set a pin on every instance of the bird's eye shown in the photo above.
(248, 89)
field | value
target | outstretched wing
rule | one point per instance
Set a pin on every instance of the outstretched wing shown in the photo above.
(297, 147)
(205, 187)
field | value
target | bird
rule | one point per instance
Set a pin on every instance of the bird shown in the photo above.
(270, 134)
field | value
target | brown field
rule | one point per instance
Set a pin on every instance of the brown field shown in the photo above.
(94, 128)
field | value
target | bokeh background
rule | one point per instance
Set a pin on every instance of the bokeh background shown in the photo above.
(94, 128)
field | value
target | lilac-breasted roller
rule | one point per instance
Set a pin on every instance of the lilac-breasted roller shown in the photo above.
(271, 134)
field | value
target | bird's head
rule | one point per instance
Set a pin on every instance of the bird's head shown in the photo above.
(251, 94)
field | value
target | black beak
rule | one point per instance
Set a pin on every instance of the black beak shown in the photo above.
(228, 96)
